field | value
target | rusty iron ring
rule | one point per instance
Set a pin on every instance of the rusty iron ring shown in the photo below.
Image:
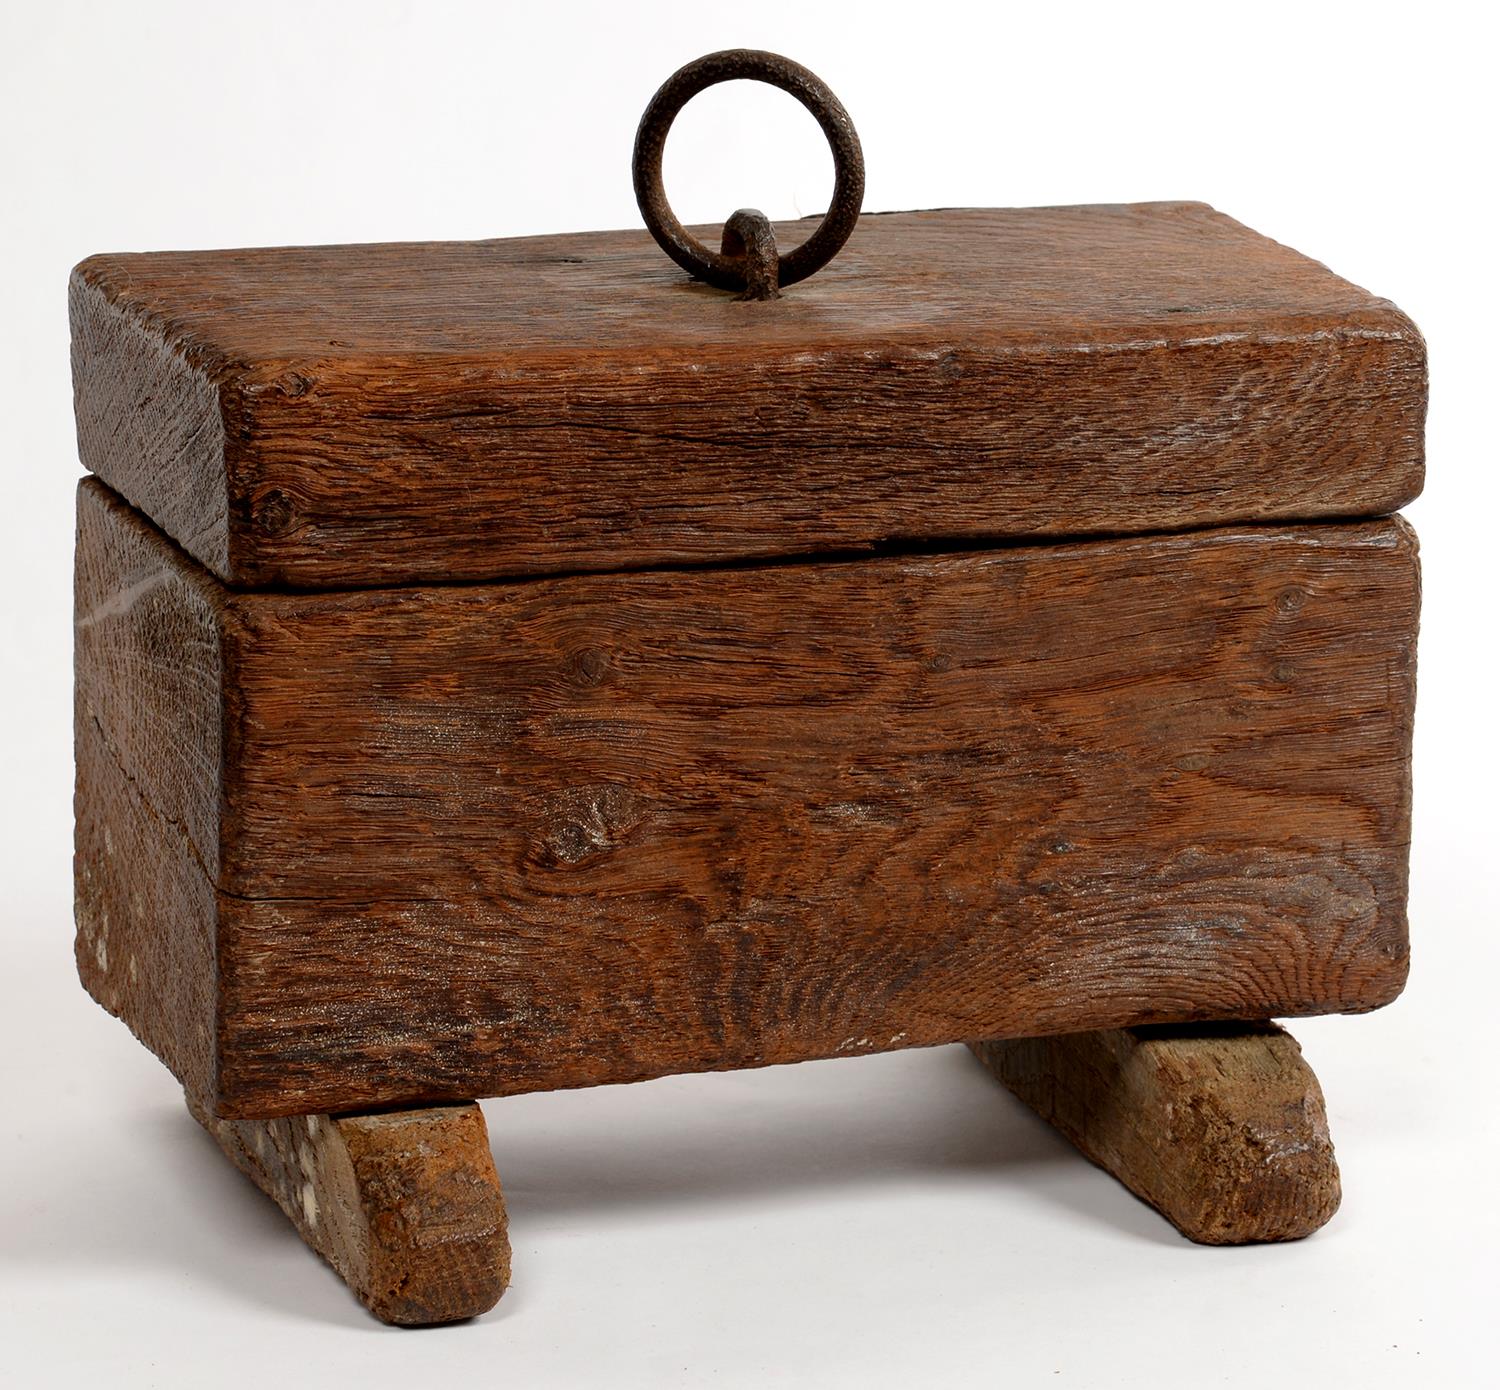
(728, 271)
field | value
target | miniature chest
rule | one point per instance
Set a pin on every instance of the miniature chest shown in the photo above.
(514, 665)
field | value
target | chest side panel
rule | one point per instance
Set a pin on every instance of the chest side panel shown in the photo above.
(497, 838)
(148, 757)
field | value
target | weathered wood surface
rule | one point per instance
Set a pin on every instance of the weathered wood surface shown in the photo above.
(405, 1205)
(149, 760)
(476, 840)
(1221, 1129)
(366, 415)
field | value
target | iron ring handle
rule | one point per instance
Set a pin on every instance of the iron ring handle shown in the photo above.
(728, 271)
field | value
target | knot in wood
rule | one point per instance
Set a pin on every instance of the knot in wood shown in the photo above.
(583, 822)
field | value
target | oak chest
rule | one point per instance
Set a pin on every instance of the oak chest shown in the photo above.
(516, 665)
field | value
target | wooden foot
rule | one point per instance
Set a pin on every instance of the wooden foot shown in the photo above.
(1220, 1127)
(405, 1205)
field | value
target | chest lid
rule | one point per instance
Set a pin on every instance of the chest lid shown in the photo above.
(352, 416)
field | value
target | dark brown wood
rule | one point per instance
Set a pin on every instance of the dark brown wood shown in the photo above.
(149, 757)
(375, 415)
(466, 841)
(405, 1205)
(1221, 1128)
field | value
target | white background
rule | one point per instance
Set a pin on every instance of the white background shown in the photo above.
(893, 1221)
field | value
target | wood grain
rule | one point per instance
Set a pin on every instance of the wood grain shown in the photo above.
(377, 415)
(1221, 1129)
(148, 718)
(405, 1205)
(480, 840)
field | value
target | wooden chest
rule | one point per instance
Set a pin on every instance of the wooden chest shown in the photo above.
(511, 665)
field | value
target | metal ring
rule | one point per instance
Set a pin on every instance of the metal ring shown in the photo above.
(651, 139)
